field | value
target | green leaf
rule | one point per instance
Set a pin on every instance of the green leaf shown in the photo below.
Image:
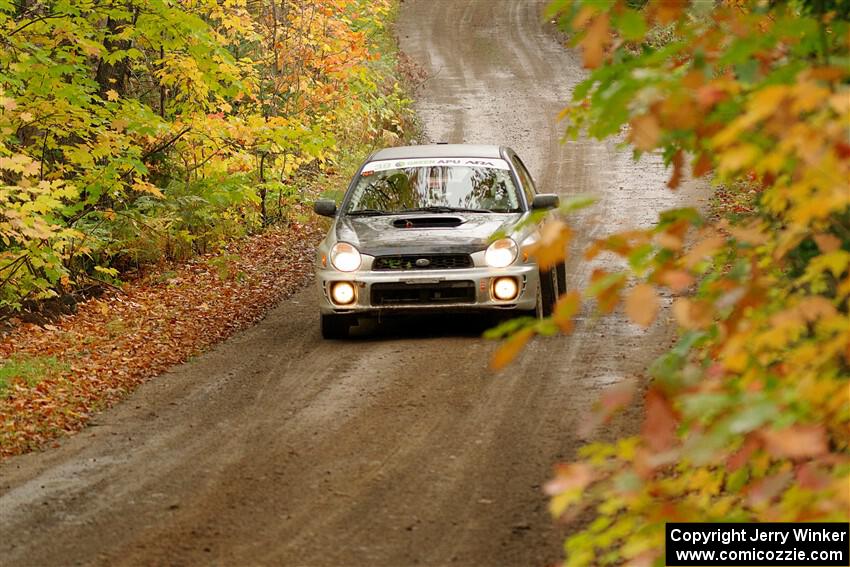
(631, 24)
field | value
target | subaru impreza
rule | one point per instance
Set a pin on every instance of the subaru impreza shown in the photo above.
(434, 228)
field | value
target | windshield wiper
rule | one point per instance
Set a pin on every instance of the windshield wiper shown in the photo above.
(442, 209)
(367, 213)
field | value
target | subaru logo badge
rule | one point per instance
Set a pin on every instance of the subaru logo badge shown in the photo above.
(423, 263)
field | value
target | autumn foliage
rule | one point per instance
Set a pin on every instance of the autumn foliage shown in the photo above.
(139, 130)
(747, 416)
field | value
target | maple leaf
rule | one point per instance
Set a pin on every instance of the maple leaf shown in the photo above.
(112, 95)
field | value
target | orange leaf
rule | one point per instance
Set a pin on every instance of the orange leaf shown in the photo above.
(742, 455)
(827, 242)
(609, 296)
(702, 249)
(645, 131)
(573, 476)
(702, 165)
(642, 304)
(594, 41)
(751, 234)
(567, 306)
(510, 349)
(551, 248)
(676, 178)
(692, 314)
(617, 396)
(668, 10)
(796, 442)
(767, 489)
(677, 280)
(659, 425)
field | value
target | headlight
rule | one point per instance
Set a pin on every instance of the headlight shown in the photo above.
(343, 293)
(345, 257)
(501, 253)
(505, 289)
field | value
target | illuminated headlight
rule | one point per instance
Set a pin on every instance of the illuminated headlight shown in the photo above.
(501, 253)
(342, 293)
(345, 257)
(505, 289)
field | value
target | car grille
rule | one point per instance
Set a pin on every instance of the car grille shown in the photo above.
(423, 294)
(435, 262)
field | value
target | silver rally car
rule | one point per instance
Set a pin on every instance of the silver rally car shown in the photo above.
(415, 233)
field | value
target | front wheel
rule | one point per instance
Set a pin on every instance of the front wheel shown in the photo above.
(562, 278)
(335, 327)
(548, 291)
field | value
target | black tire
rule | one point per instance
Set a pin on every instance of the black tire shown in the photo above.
(549, 290)
(562, 279)
(335, 327)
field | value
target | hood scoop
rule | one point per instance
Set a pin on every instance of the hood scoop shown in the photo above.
(441, 221)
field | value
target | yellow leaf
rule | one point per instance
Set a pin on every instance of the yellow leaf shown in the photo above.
(642, 304)
(145, 187)
(111, 95)
(834, 262)
(738, 157)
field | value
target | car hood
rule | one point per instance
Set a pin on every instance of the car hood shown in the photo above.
(393, 234)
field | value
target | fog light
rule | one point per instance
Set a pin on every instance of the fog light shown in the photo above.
(505, 289)
(342, 293)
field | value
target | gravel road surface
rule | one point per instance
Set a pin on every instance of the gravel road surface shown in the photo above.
(397, 447)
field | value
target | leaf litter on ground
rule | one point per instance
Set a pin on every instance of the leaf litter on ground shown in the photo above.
(100, 354)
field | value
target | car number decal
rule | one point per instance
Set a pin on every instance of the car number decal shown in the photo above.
(385, 165)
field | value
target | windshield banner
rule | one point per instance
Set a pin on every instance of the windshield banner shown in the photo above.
(432, 162)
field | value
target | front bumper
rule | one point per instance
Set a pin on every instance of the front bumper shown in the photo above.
(412, 291)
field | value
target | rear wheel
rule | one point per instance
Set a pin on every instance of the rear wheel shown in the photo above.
(335, 327)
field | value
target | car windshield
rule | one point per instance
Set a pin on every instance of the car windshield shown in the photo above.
(435, 185)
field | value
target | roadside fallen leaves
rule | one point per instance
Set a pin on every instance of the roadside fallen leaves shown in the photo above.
(114, 343)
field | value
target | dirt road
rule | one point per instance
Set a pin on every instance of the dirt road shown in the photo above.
(396, 448)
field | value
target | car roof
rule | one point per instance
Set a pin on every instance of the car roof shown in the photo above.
(438, 151)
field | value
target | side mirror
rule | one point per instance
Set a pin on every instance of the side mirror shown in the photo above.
(325, 207)
(545, 201)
